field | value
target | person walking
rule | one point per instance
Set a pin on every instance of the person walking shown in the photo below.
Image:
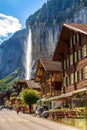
(17, 110)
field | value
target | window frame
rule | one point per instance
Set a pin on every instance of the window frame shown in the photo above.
(75, 57)
(71, 59)
(84, 51)
(72, 78)
(85, 73)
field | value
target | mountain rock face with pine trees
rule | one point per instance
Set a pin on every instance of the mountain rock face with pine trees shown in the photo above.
(45, 25)
(12, 53)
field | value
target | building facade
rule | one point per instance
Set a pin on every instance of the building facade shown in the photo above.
(63, 78)
(71, 50)
(49, 75)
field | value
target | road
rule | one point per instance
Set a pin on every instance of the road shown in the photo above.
(9, 120)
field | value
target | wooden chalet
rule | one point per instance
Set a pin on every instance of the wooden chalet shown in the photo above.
(71, 50)
(22, 84)
(19, 86)
(48, 74)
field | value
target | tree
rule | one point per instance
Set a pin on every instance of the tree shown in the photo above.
(29, 97)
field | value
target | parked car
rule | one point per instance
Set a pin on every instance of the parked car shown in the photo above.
(40, 109)
(44, 114)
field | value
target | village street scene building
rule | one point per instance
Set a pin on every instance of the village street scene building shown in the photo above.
(71, 84)
(49, 75)
(71, 79)
(71, 50)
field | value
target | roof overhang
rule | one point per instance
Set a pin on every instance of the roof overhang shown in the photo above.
(65, 34)
(67, 95)
(46, 65)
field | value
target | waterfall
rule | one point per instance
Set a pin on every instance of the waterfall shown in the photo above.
(28, 52)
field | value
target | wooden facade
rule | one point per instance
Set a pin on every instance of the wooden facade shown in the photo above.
(48, 74)
(22, 84)
(71, 50)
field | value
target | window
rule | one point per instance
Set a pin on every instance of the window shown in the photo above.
(76, 78)
(47, 89)
(85, 72)
(43, 91)
(64, 81)
(80, 75)
(74, 39)
(64, 64)
(71, 42)
(79, 54)
(75, 54)
(67, 62)
(68, 81)
(77, 37)
(71, 59)
(72, 78)
(84, 51)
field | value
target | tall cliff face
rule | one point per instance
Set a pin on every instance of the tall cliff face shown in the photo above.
(43, 43)
(44, 40)
(79, 17)
(44, 36)
(12, 53)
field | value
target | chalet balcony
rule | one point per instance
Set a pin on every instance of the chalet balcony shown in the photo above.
(53, 93)
(49, 94)
(56, 93)
(82, 84)
(81, 64)
(69, 89)
(43, 95)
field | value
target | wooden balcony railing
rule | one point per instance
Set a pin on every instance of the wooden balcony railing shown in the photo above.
(82, 84)
(69, 89)
(56, 92)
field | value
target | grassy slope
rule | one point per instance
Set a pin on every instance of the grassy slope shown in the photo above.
(7, 82)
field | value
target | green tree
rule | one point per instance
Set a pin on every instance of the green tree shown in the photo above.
(29, 97)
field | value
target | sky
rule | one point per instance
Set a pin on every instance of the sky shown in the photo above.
(13, 15)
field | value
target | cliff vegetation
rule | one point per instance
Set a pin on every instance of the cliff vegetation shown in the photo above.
(55, 11)
(7, 82)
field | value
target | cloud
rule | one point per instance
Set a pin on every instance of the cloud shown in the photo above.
(0, 40)
(8, 24)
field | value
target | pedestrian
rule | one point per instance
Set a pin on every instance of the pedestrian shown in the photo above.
(17, 110)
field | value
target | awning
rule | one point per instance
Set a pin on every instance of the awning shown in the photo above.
(64, 95)
(80, 90)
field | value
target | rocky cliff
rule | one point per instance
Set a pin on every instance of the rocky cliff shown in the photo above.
(44, 37)
(12, 53)
(43, 42)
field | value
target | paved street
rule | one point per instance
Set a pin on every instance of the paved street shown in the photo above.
(9, 120)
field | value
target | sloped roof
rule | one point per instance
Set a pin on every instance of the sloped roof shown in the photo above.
(46, 65)
(76, 27)
(66, 32)
(50, 65)
(30, 83)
